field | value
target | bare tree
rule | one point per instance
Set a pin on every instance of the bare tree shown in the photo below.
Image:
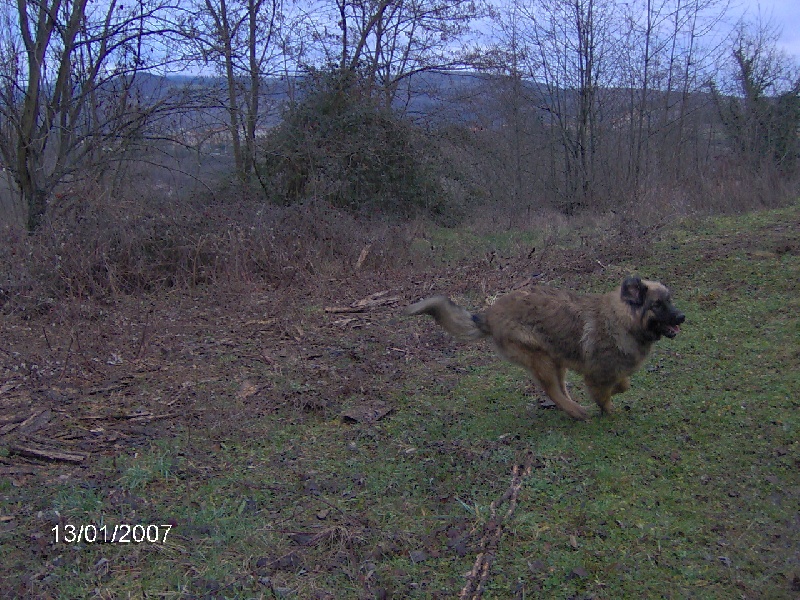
(693, 50)
(241, 39)
(761, 112)
(391, 40)
(69, 92)
(619, 87)
(565, 45)
(524, 144)
(663, 59)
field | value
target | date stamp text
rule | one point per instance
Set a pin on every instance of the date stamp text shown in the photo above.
(122, 533)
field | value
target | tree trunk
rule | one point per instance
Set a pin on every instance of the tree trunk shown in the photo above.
(37, 207)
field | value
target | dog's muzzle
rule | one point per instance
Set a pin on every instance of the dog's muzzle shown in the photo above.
(674, 327)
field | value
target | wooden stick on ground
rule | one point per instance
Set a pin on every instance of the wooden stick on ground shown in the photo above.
(477, 577)
(45, 454)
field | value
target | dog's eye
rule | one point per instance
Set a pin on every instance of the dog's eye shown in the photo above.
(658, 304)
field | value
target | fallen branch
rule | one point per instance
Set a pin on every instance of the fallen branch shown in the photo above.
(132, 416)
(369, 413)
(347, 321)
(35, 422)
(9, 423)
(7, 387)
(365, 304)
(152, 417)
(17, 471)
(114, 386)
(25, 424)
(376, 299)
(477, 577)
(44, 454)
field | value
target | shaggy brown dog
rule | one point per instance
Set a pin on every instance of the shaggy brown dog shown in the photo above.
(604, 337)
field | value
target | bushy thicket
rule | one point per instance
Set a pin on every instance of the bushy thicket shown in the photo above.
(342, 144)
(762, 121)
(102, 248)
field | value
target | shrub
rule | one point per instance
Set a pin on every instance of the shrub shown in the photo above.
(104, 247)
(339, 143)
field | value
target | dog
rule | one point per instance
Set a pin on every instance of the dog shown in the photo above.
(604, 337)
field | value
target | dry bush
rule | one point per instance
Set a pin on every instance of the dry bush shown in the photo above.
(726, 187)
(96, 246)
(733, 188)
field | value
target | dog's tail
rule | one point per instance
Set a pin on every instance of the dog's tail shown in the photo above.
(458, 322)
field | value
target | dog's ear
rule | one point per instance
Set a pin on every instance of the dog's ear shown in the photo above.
(633, 291)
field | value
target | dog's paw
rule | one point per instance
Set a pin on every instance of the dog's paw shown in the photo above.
(607, 408)
(578, 413)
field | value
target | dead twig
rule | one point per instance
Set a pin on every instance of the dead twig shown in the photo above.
(141, 349)
(66, 359)
(372, 301)
(477, 577)
(46, 339)
(133, 416)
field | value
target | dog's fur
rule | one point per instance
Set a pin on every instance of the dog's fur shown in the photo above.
(604, 337)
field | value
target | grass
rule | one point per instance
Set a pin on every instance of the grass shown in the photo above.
(689, 491)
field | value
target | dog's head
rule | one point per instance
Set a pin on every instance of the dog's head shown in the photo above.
(652, 304)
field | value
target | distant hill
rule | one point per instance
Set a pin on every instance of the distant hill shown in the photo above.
(432, 97)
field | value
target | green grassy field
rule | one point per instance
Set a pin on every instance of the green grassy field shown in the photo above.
(690, 490)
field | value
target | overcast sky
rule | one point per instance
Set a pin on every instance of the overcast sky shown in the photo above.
(785, 14)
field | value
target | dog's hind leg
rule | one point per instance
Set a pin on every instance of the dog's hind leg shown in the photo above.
(601, 394)
(551, 379)
(623, 385)
(549, 375)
